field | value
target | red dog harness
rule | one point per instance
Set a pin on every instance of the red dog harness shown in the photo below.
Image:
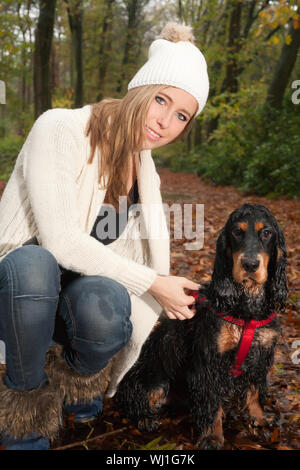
(247, 335)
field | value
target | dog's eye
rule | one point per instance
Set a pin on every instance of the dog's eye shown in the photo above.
(265, 234)
(237, 232)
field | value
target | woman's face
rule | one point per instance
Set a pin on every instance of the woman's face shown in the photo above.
(169, 113)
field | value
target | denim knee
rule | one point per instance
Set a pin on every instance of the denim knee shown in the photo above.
(29, 293)
(100, 310)
(33, 270)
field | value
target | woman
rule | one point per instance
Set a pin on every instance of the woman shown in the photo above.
(63, 276)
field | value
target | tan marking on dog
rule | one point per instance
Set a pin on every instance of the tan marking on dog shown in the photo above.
(216, 432)
(259, 226)
(243, 226)
(252, 282)
(252, 287)
(237, 270)
(157, 398)
(279, 253)
(252, 403)
(229, 337)
(218, 426)
(262, 271)
(266, 337)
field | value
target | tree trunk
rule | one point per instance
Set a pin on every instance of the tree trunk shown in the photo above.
(133, 9)
(284, 66)
(230, 82)
(75, 15)
(42, 50)
(180, 12)
(236, 40)
(105, 47)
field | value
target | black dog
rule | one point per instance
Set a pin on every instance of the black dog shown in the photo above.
(220, 358)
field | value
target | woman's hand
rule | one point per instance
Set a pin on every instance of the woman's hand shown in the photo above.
(169, 293)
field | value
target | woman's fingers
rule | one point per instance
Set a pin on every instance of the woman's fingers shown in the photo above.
(184, 313)
(170, 315)
(169, 292)
(190, 284)
(191, 300)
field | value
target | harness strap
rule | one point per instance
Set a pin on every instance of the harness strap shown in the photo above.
(247, 335)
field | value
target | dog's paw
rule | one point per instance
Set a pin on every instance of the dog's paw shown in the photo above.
(267, 421)
(148, 424)
(211, 442)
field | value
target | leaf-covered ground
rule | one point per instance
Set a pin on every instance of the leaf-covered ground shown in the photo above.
(113, 432)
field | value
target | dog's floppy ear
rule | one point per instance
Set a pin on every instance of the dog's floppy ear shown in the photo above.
(222, 260)
(279, 290)
(222, 273)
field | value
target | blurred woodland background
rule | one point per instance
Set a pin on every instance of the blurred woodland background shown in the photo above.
(67, 53)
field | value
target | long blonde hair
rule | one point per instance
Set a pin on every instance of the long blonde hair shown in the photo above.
(116, 129)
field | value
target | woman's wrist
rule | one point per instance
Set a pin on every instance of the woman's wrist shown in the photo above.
(153, 288)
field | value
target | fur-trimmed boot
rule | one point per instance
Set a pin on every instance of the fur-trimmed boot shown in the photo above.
(83, 394)
(29, 420)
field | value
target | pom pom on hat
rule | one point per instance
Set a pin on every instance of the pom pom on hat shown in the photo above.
(176, 32)
(174, 60)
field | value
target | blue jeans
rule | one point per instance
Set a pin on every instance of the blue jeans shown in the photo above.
(88, 315)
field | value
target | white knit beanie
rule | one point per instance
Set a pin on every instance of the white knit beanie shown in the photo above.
(174, 60)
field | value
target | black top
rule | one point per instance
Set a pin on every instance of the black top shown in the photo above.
(109, 224)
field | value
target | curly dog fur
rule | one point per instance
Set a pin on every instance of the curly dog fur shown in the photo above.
(194, 357)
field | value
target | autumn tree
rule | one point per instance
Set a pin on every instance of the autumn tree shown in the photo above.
(285, 63)
(134, 10)
(75, 16)
(105, 45)
(42, 50)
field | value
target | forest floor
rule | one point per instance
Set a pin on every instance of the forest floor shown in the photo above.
(113, 432)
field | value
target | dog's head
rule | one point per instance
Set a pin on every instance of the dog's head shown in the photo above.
(251, 252)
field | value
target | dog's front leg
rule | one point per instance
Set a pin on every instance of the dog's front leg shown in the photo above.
(156, 398)
(255, 399)
(212, 438)
(207, 413)
(254, 406)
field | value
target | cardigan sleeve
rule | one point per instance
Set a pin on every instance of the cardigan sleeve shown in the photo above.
(50, 174)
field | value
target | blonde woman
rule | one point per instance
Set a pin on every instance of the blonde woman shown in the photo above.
(80, 269)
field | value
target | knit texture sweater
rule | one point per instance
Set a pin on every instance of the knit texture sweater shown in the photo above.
(54, 194)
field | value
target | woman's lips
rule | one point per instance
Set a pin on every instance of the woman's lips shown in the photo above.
(152, 135)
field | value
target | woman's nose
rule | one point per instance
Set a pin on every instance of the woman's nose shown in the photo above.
(164, 120)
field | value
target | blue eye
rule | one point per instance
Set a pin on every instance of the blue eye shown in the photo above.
(160, 100)
(181, 117)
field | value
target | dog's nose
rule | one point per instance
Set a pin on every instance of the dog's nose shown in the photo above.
(250, 265)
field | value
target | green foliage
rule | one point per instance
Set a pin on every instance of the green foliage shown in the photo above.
(257, 150)
(173, 156)
(10, 146)
(63, 100)
(274, 169)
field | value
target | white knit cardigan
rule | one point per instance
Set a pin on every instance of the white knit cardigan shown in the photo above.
(54, 194)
